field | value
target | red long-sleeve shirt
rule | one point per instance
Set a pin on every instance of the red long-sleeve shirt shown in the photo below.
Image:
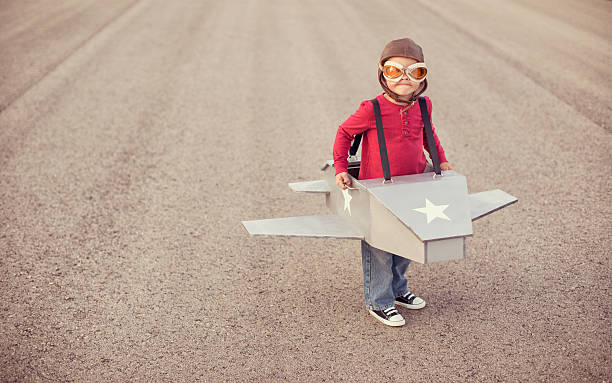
(403, 135)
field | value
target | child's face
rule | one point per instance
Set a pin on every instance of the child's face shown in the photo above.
(404, 87)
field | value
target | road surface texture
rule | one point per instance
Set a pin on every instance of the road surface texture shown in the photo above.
(135, 135)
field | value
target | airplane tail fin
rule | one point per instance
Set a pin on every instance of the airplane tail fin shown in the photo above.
(319, 186)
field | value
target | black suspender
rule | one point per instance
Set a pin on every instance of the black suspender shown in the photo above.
(382, 145)
(431, 143)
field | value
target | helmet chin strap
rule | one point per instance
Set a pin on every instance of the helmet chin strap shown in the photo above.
(399, 98)
(410, 99)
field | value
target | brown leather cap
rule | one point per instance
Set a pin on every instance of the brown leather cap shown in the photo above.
(402, 48)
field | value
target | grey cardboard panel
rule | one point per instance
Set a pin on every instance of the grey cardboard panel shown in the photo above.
(487, 202)
(319, 186)
(330, 225)
(444, 250)
(432, 207)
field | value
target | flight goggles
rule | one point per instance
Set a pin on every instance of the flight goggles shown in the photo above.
(394, 71)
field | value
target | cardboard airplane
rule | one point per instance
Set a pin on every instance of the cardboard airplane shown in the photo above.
(424, 217)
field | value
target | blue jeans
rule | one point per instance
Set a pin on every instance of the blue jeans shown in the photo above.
(383, 277)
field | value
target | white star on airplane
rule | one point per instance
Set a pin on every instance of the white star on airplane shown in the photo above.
(347, 200)
(432, 211)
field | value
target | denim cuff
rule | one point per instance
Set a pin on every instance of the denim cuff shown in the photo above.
(380, 308)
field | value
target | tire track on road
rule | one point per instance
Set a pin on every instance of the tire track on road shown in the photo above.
(585, 104)
(126, 121)
(53, 66)
(28, 112)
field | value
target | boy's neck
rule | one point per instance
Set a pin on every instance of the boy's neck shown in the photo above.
(396, 102)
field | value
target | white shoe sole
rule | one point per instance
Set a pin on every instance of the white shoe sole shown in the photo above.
(411, 307)
(388, 322)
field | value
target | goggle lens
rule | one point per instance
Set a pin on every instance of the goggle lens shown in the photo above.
(392, 71)
(419, 73)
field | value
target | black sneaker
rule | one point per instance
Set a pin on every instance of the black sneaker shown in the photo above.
(389, 316)
(411, 301)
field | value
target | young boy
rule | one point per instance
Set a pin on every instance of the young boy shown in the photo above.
(402, 74)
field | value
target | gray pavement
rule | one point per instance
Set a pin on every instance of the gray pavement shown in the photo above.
(136, 135)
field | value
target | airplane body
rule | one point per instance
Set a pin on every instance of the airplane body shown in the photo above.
(424, 217)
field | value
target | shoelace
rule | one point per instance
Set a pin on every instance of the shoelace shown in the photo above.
(409, 297)
(391, 311)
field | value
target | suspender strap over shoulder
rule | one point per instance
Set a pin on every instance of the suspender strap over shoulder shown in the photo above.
(382, 145)
(431, 143)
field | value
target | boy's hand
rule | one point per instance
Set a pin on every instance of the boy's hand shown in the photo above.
(446, 166)
(342, 180)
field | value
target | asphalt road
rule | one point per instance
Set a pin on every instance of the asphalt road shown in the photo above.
(136, 135)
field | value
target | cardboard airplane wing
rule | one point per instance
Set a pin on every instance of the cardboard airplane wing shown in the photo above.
(424, 217)
(321, 226)
(330, 225)
(485, 203)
